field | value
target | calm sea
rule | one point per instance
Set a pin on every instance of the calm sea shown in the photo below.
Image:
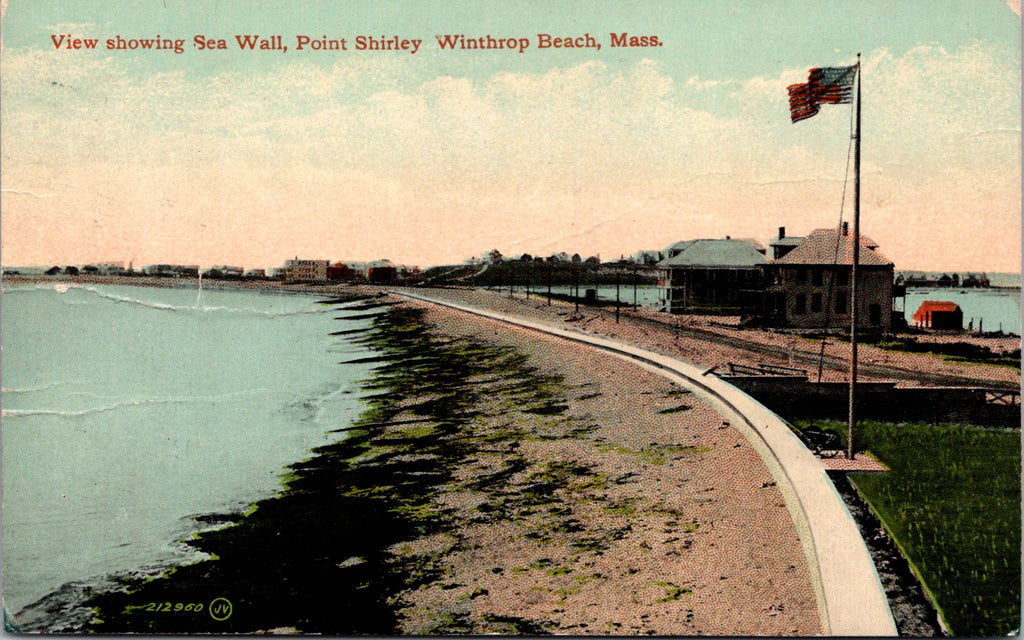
(128, 409)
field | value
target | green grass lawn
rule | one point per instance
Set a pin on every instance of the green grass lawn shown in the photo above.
(952, 502)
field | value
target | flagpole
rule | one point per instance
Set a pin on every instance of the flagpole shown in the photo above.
(854, 271)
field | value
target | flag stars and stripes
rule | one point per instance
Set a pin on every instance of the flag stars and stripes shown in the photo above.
(827, 85)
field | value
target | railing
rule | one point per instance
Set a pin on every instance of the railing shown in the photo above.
(999, 396)
(760, 370)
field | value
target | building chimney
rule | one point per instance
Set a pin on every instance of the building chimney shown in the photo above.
(782, 232)
(846, 228)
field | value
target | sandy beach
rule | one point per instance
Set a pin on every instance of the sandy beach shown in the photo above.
(668, 523)
(499, 482)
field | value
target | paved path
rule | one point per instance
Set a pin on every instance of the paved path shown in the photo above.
(851, 601)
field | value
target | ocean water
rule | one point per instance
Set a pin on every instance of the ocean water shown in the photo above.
(126, 410)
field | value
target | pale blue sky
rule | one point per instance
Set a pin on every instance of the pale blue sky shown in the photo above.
(254, 157)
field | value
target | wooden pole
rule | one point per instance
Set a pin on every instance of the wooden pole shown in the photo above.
(634, 287)
(549, 283)
(616, 297)
(576, 281)
(854, 301)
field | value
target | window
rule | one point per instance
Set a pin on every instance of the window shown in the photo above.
(875, 314)
(816, 278)
(816, 302)
(801, 304)
(801, 276)
(842, 276)
(840, 302)
(778, 302)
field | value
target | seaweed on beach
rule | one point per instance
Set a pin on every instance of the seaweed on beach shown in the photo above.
(319, 556)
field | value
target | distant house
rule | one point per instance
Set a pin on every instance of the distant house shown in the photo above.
(297, 269)
(939, 315)
(364, 268)
(104, 268)
(339, 271)
(172, 270)
(382, 274)
(809, 286)
(782, 244)
(711, 276)
(223, 271)
(647, 257)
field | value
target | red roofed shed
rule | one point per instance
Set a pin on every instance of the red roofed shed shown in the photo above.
(939, 315)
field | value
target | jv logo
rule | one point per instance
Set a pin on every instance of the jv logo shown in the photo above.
(220, 609)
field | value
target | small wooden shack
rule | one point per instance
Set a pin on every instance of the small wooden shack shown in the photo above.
(939, 315)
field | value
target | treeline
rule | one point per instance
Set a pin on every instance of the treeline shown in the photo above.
(520, 273)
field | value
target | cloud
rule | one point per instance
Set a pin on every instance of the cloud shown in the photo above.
(700, 83)
(587, 153)
(78, 29)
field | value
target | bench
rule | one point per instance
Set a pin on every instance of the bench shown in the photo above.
(821, 443)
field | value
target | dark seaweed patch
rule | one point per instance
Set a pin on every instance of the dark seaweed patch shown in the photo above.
(682, 407)
(349, 332)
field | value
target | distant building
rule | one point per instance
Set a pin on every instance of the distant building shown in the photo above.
(918, 279)
(363, 268)
(224, 271)
(385, 274)
(809, 286)
(255, 273)
(172, 270)
(104, 268)
(782, 244)
(647, 257)
(296, 269)
(711, 276)
(339, 271)
(939, 315)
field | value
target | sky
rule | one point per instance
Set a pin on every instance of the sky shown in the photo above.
(250, 158)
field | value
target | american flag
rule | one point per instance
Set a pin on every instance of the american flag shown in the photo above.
(827, 85)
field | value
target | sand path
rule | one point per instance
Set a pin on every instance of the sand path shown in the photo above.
(655, 517)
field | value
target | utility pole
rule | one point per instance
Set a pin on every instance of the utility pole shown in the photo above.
(616, 297)
(576, 281)
(854, 272)
(549, 283)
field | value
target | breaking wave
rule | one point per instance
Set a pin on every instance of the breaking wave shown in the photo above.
(136, 403)
(195, 307)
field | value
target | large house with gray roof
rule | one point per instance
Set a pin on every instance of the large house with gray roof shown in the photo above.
(809, 286)
(712, 276)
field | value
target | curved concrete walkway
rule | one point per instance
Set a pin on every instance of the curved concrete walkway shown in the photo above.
(851, 600)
